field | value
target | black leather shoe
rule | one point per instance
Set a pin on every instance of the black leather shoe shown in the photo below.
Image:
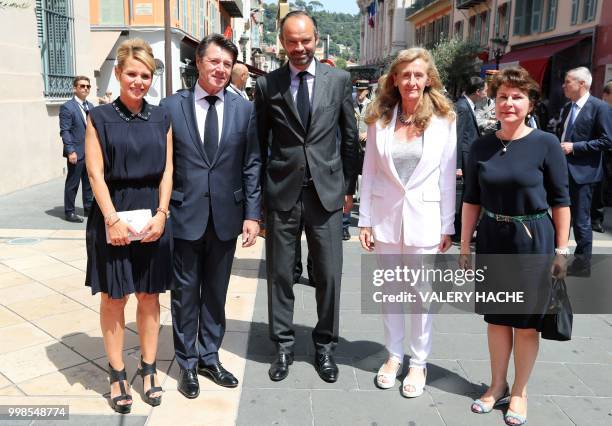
(74, 218)
(326, 367)
(188, 384)
(346, 235)
(597, 227)
(279, 369)
(218, 374)
(579, 269)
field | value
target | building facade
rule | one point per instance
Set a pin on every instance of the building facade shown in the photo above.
(113, 21)
(546, 37)
(43, 46)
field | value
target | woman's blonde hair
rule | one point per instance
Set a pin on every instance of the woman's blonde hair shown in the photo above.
(138, 49)
(432, 102)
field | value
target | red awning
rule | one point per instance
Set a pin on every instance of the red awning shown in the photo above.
(536, 59)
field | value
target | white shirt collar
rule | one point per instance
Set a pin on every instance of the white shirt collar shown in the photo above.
(78, 101)
(200, 93)
(472, 105)
(311, 69)
(583, 100)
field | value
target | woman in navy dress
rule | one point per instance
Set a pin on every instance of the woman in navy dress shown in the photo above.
(514, 176)
(129, 161)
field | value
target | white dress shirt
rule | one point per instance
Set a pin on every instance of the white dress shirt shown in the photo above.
(579, 105)
(201, 108)
(295, 80)
(82, 108)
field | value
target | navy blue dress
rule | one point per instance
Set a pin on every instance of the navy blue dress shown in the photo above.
(528, 179)
(134, 151)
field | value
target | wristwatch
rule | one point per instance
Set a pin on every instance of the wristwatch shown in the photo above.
(565, 251)
(164, 211)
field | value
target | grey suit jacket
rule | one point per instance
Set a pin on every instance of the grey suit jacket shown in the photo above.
(285, 153)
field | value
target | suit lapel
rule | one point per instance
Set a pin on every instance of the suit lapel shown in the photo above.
(78, 111)
(388, 133)
(228, 117)
(187, 103)
(285, 88)
(320, 86)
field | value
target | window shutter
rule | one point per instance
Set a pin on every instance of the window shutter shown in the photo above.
(536, 16)
(519, 17)
(575, 4)
(551, 20)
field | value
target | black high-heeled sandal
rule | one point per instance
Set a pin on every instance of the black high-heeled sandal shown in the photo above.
(150, 370)
(120, 376)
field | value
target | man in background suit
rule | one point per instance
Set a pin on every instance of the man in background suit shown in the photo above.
(304, 103)
(467, 131)
(586, 133)
(216, 196)
(73, 120)
(601, 193)
(238, 80)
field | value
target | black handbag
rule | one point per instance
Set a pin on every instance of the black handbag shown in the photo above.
(557, 324)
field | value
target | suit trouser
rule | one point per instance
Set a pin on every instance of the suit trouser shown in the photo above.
(324, 236)
(202, 271)
(601, 190)
(389, 257)
(76, 173)
(581, 196)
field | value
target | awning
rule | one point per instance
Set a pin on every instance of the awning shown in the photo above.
(102, 43)
(535, 59)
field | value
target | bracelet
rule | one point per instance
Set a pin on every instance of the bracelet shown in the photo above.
(107, 219)
(565, 251)
(110, 225)
(164, 211)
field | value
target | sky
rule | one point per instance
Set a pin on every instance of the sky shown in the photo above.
(343, 6)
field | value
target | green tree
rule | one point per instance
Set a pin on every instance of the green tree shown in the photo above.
(341, 63)
(456, 61)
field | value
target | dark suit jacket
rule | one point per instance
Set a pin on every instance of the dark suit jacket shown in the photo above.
(592, 135)
(332, 165)
(72, 128)
(229, 184)
(467, 128)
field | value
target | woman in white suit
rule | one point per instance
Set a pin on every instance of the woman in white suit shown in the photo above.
(408, 193)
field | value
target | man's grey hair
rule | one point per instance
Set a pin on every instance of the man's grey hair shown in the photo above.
(582, 74)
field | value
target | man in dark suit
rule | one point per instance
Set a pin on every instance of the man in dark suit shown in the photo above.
(216, 196)
(586, 132)
(304, 103)
(467, 131)
(73, 120)
(601, 191)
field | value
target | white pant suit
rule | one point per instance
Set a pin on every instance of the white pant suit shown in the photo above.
(408, 218)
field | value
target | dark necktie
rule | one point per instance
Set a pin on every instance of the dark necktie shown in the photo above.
(360, 108)
(570, 124)
(303, 100)
(211, 129)
(85, 108)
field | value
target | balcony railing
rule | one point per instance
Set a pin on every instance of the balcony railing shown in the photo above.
(418, 5)
(466, 4)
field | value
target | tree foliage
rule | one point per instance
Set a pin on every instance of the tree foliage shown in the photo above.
(456, 61)
(343, 28)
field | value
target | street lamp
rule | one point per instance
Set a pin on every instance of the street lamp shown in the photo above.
(499, 48)
(244, 39)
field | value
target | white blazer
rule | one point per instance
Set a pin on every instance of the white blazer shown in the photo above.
(425, 206)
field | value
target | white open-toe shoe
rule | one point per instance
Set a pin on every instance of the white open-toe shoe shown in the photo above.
(417, 387)
(386, 380)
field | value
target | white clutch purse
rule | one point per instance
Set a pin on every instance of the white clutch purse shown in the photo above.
(137, 219)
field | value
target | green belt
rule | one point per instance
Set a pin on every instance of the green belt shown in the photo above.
(521, 219)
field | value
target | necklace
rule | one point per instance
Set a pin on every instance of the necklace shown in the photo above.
(505, 145)
(403, 119)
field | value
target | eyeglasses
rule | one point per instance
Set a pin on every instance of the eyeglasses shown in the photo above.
(84, 86)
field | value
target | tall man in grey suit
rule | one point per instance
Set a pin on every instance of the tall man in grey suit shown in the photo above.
(216, 196)
(73, 120)
(303, 104)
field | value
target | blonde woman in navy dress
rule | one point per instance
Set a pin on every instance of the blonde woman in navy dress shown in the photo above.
(408, 194)
(129, 160)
